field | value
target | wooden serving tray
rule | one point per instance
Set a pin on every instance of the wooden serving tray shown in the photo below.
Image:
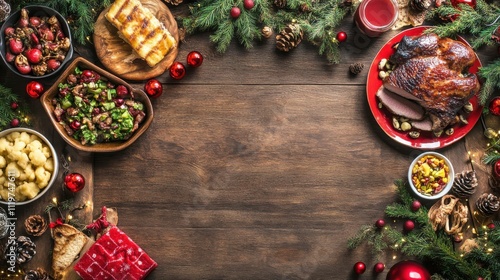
(115, 54)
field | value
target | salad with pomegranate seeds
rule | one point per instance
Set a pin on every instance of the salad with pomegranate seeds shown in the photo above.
(94, 110)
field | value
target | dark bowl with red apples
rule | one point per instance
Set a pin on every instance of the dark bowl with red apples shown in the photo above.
(36, 42)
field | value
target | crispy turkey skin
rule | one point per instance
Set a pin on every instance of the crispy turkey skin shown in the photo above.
(433, 72)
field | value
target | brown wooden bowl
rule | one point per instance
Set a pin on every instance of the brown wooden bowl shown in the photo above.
(139, 95)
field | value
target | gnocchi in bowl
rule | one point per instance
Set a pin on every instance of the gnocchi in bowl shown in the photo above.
(28, 165)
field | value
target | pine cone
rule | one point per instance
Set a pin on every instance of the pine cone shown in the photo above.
(267, 32)
(356, 68)
(173, 2)
(24, 249)
(418, 6)
(487, 204)
(37, 274)
(35, 225)
(289, 37)
(4, 10)
(280, 3)
(465, 184)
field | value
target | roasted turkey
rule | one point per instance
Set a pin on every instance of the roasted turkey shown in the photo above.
(433, 72)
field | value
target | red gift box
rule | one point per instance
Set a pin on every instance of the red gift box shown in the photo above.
(115, 256)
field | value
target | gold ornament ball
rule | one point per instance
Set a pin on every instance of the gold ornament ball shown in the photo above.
(490, 133)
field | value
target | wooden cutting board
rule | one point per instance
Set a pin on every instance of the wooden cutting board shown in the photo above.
(115, 54)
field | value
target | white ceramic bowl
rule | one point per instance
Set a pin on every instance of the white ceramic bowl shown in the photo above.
(54, 156)
(444, 190)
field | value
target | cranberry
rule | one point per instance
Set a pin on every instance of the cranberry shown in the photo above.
(35, 21)
(63, 92)
(121, 91)
(34, 39)
(87, 73)
(9, 31)
(34, 56)
(22, 65)
(53, 64)
(16, 46)
(119, 102)
(75, 125)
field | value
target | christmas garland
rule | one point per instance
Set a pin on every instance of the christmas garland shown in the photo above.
(246, 21)
(429, 246)
(12, 112)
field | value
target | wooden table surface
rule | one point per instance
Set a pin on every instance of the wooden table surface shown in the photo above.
(260, 164)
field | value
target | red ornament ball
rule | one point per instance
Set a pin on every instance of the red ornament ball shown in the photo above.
(408, 270)
(491, 226)
(177, 70)
(379, 267)
(494, 106)
(341, 36)
(34, 89)
(194, 59)
(380, 223)
(471, 3)
(74, 182)
(14, 105)
(409, 225)
(359, 267)
(15, 123)
(235, 12)
(496, 169)
(153, 88)
(248, 4)
(415, 205)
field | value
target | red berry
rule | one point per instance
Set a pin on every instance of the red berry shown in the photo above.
(153, 88)
(75, 125)
(119, 102)
(409, 225)
(14, 105)
(491, 226)
(34, 56)
(34, 89)
(415, 205)
(379, 267)
(74, 182)
(235, 12)
(341, 36)
(380, 223)
(248, 4)
(194, 59)
(16, 46)
(53, 64)
(177, 70)
(121, 91)
(359, 267)
(15, 123)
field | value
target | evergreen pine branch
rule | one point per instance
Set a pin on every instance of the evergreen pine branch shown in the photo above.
(491, 157)
(7, 97)
(491, 74)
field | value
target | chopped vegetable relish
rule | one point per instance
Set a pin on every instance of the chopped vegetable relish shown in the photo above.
(94, 110)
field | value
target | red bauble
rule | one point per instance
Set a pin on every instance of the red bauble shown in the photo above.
(194, 59)
(15, 123)
(153, 88)
(380, 223)
(359, 267)
(415, 205)
(177, 70)
(34, 89)
(248, 4)
(379, 267)
(14, 105)
(74, 182)
(496, 169)
(235, 12)
(494, 106)
(341, 36)
(409, 226)
(491, 226)
(471, 3)
(408, 270)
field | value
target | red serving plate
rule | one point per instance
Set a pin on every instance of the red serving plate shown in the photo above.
(427, 140)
